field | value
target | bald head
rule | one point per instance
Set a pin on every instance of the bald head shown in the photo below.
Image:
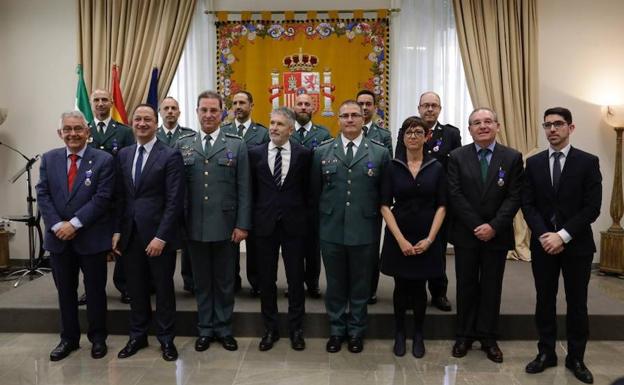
(101, 103)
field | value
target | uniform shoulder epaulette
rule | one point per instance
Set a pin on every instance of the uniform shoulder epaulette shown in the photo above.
(376, 142)
(188, 135)
(233, 136)
(260, 125)
(186, 129)
(451, 127)
(326, 141)
(319, 127)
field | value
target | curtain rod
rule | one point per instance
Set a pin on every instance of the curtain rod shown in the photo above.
(391, 10)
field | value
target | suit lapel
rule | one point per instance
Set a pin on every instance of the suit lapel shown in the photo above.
(60, 169)
(110, 131)
(569, 161)
(493, 168)
(361, 151)
(340, 152)
(198, 146)
(474, 166)
(294, 156)
(128, 167)
(251, 133)
(151, 159)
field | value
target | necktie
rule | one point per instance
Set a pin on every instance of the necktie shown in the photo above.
(138, 167)
(241, 128)
(277, 167)
(556, 170)
(169, 136)
(73, 171)
(208, 145)
(349, 157)
(101, 128)
(483, 153)
(365, 129)
(301, 132)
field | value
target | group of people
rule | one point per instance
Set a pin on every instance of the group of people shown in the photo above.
(294, 188)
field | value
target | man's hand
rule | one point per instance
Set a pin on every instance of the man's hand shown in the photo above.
(551, 242)
(238, 235)
(116, 237)
(155, 248)
(484, 232)
(66, 232)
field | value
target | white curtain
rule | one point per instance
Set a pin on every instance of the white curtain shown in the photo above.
(426, 57)
(196, 71)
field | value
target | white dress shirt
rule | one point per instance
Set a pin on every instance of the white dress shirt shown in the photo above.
(213, 137)
(307, 127)
(105, 121)
(356, 142)
(565, 236)
(246, 124)
(286, 153)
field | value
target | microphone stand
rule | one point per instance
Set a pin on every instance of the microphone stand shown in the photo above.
(32, 221)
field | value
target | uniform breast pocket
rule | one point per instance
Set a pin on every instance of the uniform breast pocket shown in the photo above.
(189, 160)
(329, 172)
(227, 169)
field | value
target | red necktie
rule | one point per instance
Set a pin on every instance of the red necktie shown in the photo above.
(73, 170)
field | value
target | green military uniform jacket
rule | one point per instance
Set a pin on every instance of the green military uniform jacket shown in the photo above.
(179, 132)
(256, 133)
(116, 137)
(349, 194)
(218, 187)
(314, 138)
(381, 135)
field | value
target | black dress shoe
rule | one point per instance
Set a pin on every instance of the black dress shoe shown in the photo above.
(253, 292)
(372, 300)
(229, 343)
(461, 347)
(132, 347)
(541, 362)
(493, 352)
(441, 303)
(169, 351)
(418, 346)
(99, 350)
(82, 300)
(399, 344)
(125, 298)
(580, 370)
(202, 343)
(314, 292)
(266, 343)
(62, 350)
(296, 340)
(334, 344)
(355, 344)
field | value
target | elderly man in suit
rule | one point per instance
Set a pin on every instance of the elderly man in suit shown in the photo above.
(560, 215)
(218, 217)
(254, 134)
(74, 195)
(280, 170)
(485, 183)
(444, 138)
(346, 181)
(150, 193)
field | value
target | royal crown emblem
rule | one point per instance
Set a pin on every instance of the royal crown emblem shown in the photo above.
(300, 62)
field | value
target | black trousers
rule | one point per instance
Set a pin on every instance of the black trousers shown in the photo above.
(141, 270)
(576, 272)
(65, 268)
(293, 248)
(409, 294)
(479, 274)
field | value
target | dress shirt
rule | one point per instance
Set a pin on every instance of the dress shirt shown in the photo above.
(148, 148)
(356, 143)
(307, 127)
(286, 152)
(246, 124)
(489, 154)
(74, 221)
(105, 121)
(213, 135)
(565, 236)
(172, 131)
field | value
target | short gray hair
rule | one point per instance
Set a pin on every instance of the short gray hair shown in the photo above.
(72, 114)
(286, 113)
(491, 111)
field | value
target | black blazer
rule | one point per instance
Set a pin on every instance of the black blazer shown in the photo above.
(155, 206)
(473, 203)
(573, 206)
(290, 201)
(444, 139)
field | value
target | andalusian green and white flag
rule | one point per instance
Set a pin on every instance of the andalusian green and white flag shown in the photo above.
(82, 96)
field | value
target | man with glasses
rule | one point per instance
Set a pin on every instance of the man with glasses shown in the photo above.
(560, 214)
(443, 139)
(485, 183)
(346, 182)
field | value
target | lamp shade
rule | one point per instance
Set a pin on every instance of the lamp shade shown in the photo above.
(614, 115)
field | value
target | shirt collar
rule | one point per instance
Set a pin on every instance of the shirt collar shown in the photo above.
(491, 147)
(79, 153)
(246, 124)
(357, 141)
(149, 145)
(307, 126)
(564, 151)
(214, 135)
(173, 130)
(286, 146)
(106, 121)
(369, 125)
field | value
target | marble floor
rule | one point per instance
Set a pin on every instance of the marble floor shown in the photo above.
(24, 360)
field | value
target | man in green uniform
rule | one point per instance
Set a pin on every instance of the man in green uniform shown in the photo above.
(346, 179)
(218, 217)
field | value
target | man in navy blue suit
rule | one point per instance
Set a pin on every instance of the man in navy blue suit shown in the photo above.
(150, 193)
(280, 171)
(560, 214)
(74, 195)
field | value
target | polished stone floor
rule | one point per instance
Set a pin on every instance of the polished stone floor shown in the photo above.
(24, 360)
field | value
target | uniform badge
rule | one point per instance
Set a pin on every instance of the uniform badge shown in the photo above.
(88, 175)
(501, 177)
(370, 167)
(115, 146)
(230, 156)
(314, 143)
(90, 140)
(437, 145)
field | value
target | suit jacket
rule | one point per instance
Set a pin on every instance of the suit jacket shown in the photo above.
(381, 135)
(116, 137)
(574, 205)
(314, 138)
(495, 202)
(180, 131)
(290, 201)
(255, 135)
(155, 205)
(444, 139)
(89, 200)
(355, 221)
(218, 187)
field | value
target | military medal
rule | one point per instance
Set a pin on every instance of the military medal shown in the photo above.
(370, 166)
(437, 145)
(90, 140)
(314, 143)
(229, 156)
(87, 181)
(115, 146)
(501, 176)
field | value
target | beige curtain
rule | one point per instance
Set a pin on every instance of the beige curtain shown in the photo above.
(498, 40)
(136, 35)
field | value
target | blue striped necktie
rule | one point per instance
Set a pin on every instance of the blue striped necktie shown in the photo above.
(277, 168)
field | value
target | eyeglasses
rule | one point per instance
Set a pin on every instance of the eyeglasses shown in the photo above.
(426, 106)
(415, 133)
(486, 122)
(77, 130)
(354, 115)
(557, 124)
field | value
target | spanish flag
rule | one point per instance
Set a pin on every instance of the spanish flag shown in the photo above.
(119, 110)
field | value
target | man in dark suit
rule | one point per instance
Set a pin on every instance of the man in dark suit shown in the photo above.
(150, 194)
(169, 133)
(310, 135)
(254, 134)
(485, 183)
(444, 138)
(110, 136)
(280, 170)
(345, 181)
(560, 215)
(74, 195)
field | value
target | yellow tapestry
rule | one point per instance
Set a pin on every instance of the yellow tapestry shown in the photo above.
(329, 59)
